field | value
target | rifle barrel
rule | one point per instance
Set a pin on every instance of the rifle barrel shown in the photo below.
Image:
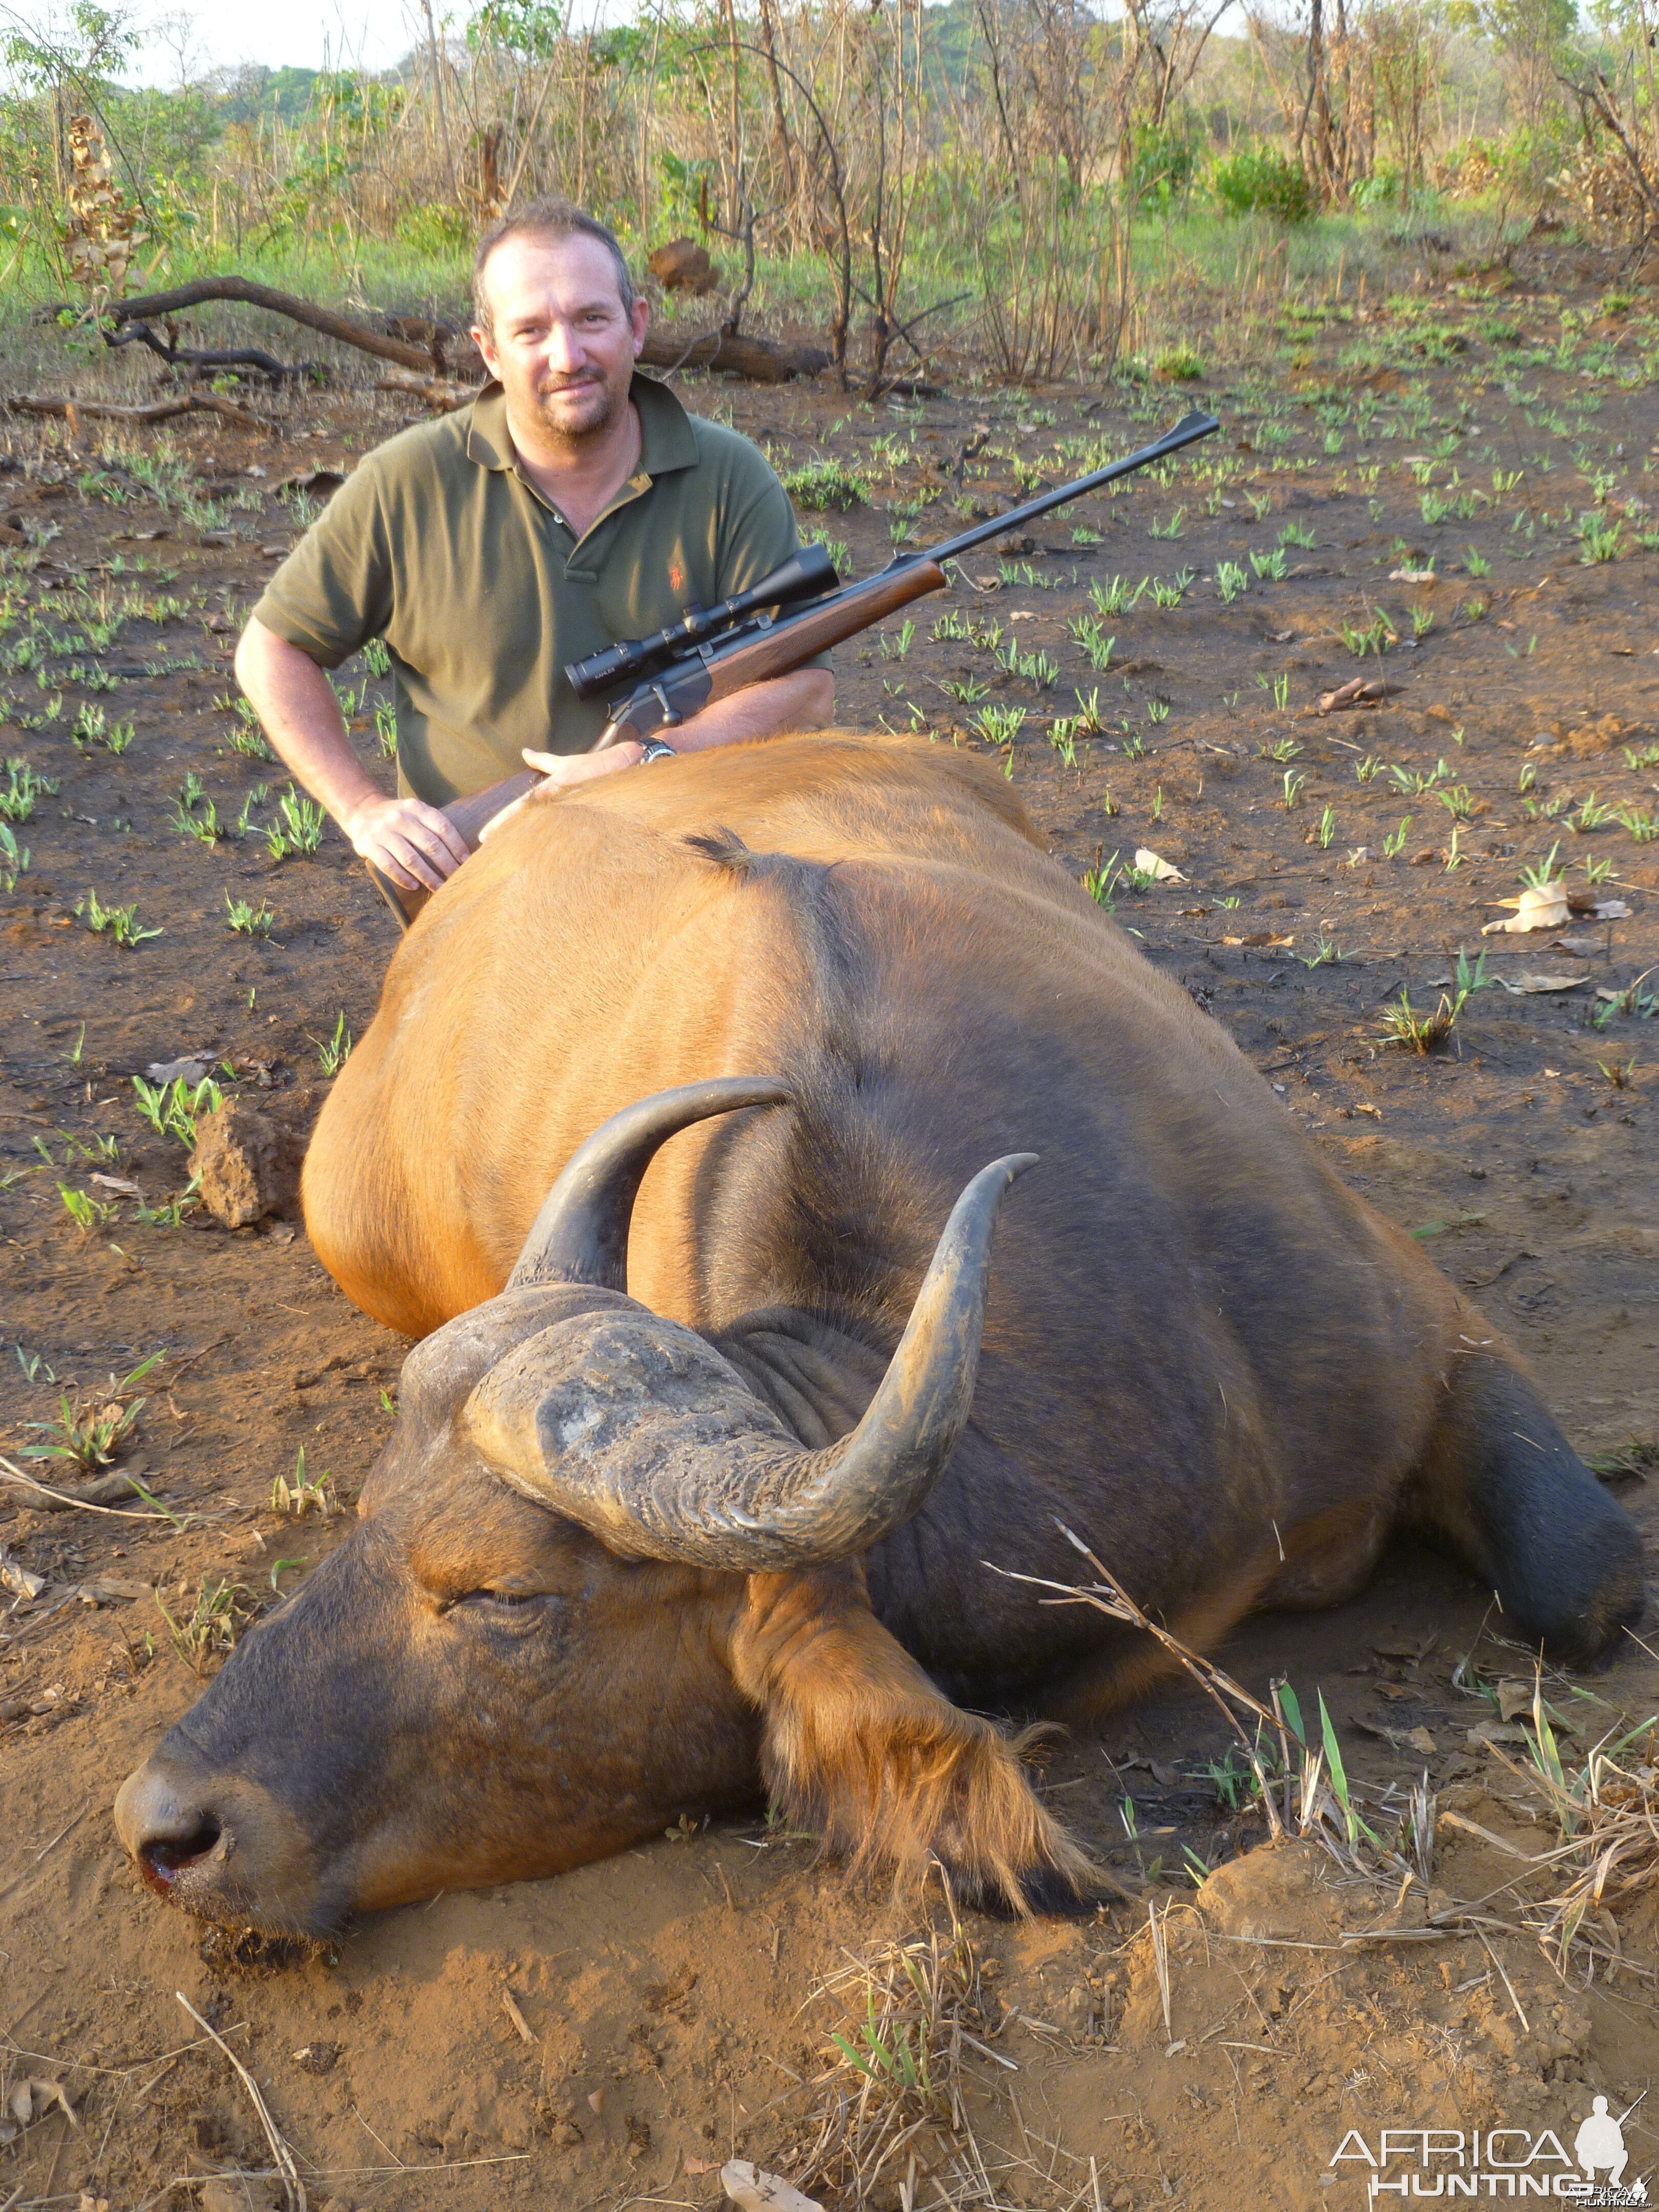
(1187, 432)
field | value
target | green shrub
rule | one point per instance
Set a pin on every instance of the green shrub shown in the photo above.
(1258, 179)
(825, 484)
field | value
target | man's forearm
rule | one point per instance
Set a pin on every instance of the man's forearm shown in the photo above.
(803, 699)
(408, 840)
(296, 705)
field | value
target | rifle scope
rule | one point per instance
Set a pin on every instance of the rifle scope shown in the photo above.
(803, 576)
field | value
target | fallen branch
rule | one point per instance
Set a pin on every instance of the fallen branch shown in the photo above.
(759, 360)
(144, 305)
(442, 397)
(197, 360)
(156, 410)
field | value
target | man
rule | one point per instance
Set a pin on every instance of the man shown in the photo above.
(574, 502)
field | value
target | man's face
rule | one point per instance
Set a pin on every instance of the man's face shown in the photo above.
(563, 345)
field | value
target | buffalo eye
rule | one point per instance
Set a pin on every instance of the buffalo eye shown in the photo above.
(517, 1606)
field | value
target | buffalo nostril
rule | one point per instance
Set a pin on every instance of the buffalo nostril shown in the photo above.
(165, 1856)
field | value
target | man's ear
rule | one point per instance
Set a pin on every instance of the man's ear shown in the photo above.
(486, 346)
(640, 315)
(860, 1746)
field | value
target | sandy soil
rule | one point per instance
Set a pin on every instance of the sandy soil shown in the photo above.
(611, 2038)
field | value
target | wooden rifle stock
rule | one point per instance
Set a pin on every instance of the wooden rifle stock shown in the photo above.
(679, 692)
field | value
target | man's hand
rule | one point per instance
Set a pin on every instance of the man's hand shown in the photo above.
(417, 845)
(561, 772)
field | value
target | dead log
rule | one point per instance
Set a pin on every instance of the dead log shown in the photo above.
(156, 410)
(758, 360)
(241, 289)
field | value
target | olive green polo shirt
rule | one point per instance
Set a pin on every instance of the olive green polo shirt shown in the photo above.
(437, 544)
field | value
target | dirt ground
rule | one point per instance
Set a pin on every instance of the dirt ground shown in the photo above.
(611, 2038)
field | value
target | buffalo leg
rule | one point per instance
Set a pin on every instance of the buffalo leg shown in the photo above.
(1502, 1485)
(858, 1744)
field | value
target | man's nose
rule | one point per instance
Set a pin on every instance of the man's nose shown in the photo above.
(564, 347)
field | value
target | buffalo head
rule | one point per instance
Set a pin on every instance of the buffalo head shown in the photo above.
(596, 1583)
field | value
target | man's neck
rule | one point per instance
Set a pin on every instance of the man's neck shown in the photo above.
(579, 481)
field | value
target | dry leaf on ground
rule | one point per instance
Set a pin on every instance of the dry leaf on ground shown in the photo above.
(1518, 984)
(752, 2191)
(1541, 907)
(1152, 864)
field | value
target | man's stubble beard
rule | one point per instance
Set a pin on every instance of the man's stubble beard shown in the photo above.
(594, 427)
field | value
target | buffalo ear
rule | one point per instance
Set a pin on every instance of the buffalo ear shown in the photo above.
(581, 1234)
(860, 1746)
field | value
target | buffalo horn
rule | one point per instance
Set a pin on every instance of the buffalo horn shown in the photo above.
(581, 1235)
(643, 1434)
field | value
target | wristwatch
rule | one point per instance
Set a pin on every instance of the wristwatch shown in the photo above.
(652, 749)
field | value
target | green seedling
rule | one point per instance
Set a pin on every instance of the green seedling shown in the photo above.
(86, 1212)
(818, 485)
(1540, 878)
(120, 922)
(1598, 540)
(1230, 582)
(1280, 750)
(298, 827)
(1157, 710)
(1295, 780)
(1172, 528)
(1086, 632)
(1297, 533)
(999, 726)
(89, 1431)
(1423, 1033)
(248, 920)
(24, 788)
(966, 691)
(209, 1631)
(1395, 843)
(333, 1052)
(1328, 954)
(1270, 566)
(172, 1109)
(14, 858)
(292, 1499)
(1326, 828)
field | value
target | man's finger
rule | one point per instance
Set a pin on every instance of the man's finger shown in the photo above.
(435, 819)
(402, 856)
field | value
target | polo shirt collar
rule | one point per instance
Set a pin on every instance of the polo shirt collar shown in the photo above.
(666, 439)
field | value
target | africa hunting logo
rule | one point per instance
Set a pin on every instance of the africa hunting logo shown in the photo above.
(1500, 2162)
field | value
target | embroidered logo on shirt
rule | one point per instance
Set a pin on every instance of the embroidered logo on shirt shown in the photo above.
(676, 577)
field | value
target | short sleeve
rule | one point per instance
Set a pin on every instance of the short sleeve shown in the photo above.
(334, 592)
(760, 534)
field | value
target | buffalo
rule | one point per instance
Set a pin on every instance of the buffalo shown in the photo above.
(670, 1142)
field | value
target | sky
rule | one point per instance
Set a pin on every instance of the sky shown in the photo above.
(301, 32)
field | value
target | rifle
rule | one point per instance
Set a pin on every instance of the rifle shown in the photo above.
(710, 653)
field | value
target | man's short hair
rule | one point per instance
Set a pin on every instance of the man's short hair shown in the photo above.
(551, 218)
